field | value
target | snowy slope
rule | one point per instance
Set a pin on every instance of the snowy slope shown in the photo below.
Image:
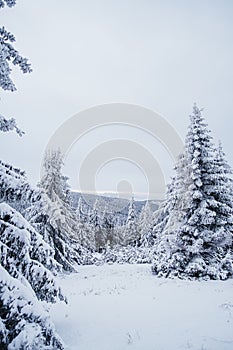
(119, 307)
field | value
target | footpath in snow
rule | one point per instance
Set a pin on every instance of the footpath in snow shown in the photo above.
(119, 307)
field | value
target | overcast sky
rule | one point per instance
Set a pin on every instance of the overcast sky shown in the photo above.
(163, 55)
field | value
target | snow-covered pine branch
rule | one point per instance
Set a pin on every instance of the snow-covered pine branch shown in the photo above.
(26, 256)
(24, 324)
(7, 125)
(14, 187)
(9, 3)
(8, 54)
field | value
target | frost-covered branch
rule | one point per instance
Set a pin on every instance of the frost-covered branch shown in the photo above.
(8, 54)
(9, 125)
(9, 3)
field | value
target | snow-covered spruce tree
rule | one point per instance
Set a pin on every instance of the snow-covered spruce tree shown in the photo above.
(83, 209)
(118, 231)
(79, 210)
(163, 216)
(145, 226)
(17, 193)
(45, 217)
(53, 181)
(94, 221)
(25, 259)
(224, 184)
(84, 231)
(51, 214)
(162, 213)
(108, 227)
(131, 236)
(196, 239)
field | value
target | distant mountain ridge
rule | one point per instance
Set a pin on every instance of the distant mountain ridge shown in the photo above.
(110, 200)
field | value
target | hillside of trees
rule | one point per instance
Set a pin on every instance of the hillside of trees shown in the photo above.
(42, 233)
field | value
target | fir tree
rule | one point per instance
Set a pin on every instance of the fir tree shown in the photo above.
(108, 227)
(84, 231)
(46, 217)
(131, 233)
(72, 239)
(197, 235)
(25, 259)
(94, 221)
(145, 223)
(79, 210)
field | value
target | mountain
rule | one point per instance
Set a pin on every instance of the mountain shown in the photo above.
(118, 205)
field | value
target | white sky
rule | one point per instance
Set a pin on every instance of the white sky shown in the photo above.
(163, 55)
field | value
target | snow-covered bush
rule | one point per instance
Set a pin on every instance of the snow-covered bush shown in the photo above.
(124, 255)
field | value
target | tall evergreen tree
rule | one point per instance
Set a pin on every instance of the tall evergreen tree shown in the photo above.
(84, 231)
(130, 231)
(145, 223)
(51, 214)
(94, 221)
(196, 239)
(79, 210)
(27, 276)
(25, 259)
(167, 213)
(108, 227)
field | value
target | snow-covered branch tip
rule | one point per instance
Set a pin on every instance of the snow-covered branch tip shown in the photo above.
(9, 54)
(9, 125)
(9, 3)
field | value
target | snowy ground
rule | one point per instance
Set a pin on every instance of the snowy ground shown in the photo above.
(119, 307)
